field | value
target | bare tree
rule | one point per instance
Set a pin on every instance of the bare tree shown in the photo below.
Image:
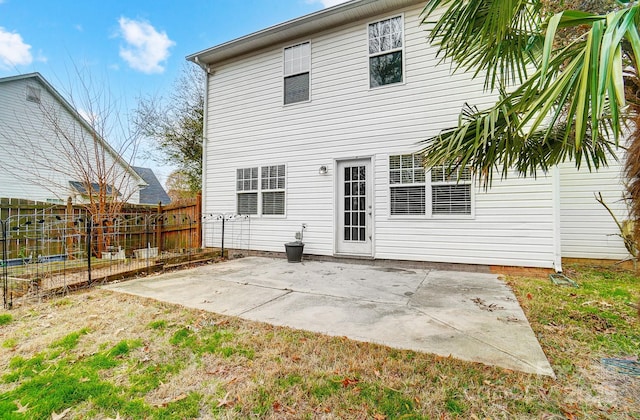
(62, 146)
(175, 125)
(178, 187)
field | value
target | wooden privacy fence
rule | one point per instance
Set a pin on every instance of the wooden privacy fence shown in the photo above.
(175, 228)
(48, 248)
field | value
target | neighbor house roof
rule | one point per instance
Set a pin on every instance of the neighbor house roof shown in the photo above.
(300, 27)
(38, 77)
(153, 193)
(80, 187)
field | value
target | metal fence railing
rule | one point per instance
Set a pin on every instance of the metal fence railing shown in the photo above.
(44, 253)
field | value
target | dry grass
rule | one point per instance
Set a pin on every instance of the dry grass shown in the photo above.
(182, 363)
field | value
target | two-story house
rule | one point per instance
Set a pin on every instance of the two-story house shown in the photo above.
(318, 120)
(49, 152)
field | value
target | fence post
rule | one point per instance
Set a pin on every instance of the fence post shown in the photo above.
(159, 223)
(89, 233)
(198, 217)
(5, 273)
(69, 239)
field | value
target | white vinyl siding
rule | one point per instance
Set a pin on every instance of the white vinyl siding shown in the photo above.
(386, 51)
(587, 230)
(297, 66)
(511, 224)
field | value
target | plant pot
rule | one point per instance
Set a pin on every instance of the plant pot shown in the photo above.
(294, 251)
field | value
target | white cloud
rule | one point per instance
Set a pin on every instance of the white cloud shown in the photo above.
(13, 50)
(146, 48)
(327, 3)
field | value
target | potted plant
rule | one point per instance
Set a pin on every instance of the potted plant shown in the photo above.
(294, 249)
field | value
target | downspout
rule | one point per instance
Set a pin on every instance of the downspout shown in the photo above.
(557, 237)
(203, 192)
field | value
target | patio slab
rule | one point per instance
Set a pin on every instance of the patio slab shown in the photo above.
(470, 316)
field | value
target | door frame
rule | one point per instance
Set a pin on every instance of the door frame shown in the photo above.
(369, 159)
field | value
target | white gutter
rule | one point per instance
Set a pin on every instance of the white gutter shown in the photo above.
(557, 239)
(205, 113)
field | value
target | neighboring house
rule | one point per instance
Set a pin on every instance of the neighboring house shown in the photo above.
(47, 148)
(153, 193)
(317, 120)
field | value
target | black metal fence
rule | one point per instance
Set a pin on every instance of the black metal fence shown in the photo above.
(44, 253)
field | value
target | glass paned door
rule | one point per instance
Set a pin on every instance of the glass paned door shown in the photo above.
(355, 211)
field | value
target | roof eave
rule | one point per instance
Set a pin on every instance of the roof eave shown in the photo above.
(296, 28)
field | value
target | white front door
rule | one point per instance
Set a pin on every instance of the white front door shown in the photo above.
(354, 217)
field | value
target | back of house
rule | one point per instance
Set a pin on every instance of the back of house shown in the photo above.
(318, 121)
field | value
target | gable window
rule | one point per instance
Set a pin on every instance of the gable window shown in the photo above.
(272, 189)
(297, 65)
(261, 188)
(385, 52)
(407, 185)
(450, 192)
(247, 190)
(33, 94)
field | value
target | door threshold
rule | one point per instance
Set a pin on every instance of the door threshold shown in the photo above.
(354, 256)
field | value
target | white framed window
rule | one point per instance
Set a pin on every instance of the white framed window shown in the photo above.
(261, 190)
(407, 185)
(297, 68)
(450, 191)
(33, 94)
(273, 188)
(247, 190)
(386, 52)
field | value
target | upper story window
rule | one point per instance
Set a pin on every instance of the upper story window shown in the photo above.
(33, 94)
(385, 52)
(297, 66)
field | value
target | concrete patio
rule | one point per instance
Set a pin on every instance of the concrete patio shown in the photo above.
(470, 316)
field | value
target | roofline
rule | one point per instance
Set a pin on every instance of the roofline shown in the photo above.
(295, 28)
(76, 114)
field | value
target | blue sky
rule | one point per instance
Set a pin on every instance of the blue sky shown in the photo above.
(134, 48)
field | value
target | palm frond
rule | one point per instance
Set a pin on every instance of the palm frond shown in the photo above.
(496, 38)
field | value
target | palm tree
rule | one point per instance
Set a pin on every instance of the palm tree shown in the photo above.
(566, 82)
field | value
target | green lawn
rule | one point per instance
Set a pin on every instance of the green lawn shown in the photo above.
(102, 355)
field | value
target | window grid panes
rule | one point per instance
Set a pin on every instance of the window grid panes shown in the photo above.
(272, 185)
(450, 191)
(355, 204)
(297, 66)
(385, 52)
(247, 187)
(407, 184)
(261, 188)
